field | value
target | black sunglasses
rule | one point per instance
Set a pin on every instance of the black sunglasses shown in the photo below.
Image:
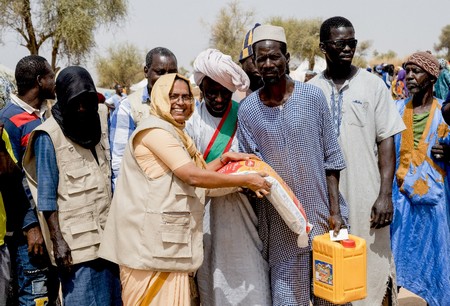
(340, 44)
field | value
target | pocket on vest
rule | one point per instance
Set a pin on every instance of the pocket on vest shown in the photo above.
(173, 238)
(186, 199)
(80, 180)
(79, 226)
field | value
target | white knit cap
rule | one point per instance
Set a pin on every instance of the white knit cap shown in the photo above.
(269, 32)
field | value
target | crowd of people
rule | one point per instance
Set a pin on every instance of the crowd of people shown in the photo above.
(119, 201)
(395, 79)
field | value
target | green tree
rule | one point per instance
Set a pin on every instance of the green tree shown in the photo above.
(122, 65)
(444, 42)
(229, 31)
(302, 37)
(361, 53)
(67, 25)
(388, 56)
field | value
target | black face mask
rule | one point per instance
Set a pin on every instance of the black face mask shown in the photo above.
(83, 128)
(77, 106)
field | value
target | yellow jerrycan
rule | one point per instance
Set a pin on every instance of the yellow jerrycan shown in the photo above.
(339, 269)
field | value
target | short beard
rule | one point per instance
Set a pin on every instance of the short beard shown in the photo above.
(271, 80)
(256, 82)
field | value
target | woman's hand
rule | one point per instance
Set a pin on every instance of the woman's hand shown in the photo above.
(258, 184)
(236, 156)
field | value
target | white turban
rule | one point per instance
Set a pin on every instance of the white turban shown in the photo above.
(220, 68)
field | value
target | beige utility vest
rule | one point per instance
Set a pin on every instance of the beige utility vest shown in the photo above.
(140, 110)
(154, 224)
(84, 191)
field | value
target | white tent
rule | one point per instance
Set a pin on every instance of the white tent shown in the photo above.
(138, 85)
(299, 73)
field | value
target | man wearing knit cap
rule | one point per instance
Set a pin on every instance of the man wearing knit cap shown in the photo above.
(246, 61)
(233, 271)
(365, 121)
(287, 124)
(421, 193)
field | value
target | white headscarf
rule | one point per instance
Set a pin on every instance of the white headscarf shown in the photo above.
(220, 68)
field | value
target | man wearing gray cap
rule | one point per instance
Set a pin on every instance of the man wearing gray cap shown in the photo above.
(287, 124)
(233, 271)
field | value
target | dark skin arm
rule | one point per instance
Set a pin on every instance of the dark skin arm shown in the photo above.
(335, 219)
(382, 210)
(61, 250)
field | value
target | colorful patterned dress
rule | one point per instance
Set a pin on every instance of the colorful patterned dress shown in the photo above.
(421, 194)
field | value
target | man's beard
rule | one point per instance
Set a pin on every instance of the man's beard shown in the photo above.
(271, 80)
(256, 82)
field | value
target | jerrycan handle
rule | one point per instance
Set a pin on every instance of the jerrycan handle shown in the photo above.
(348, 243)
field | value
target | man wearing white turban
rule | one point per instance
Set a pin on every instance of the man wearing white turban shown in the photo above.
(220, 68)
(233, 271)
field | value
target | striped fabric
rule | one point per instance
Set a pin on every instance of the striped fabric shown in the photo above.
(120, 129)
(144, 288)
(154, 288)
(19, 124)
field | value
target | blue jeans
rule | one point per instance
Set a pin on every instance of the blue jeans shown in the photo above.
(37, 279)
(93, 283)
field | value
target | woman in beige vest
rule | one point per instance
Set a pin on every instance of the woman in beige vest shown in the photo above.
(154, 229)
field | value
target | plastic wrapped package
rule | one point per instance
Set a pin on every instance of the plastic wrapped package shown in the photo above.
(281, 196)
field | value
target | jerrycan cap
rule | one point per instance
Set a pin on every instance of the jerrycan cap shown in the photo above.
(348, 243)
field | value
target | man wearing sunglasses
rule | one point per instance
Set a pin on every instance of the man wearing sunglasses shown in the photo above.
(365, 120)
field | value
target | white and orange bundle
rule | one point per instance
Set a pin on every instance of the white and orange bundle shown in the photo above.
(281, 196)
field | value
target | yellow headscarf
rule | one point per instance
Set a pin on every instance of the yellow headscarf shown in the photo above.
(161, 105)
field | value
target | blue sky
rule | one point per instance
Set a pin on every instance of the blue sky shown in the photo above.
(398, 25)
